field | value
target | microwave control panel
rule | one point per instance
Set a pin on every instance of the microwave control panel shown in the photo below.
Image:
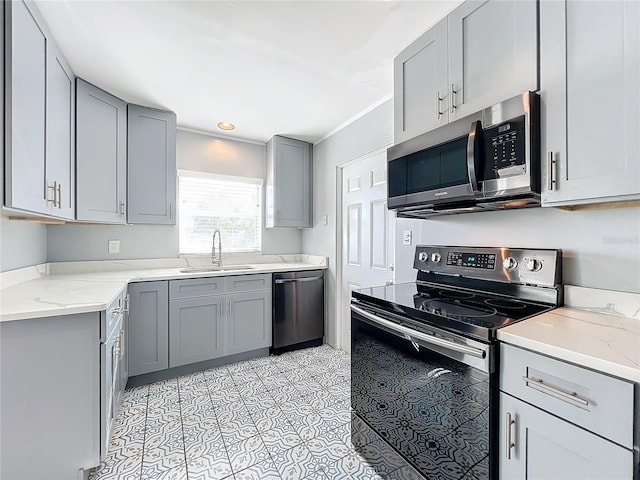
(505, 149)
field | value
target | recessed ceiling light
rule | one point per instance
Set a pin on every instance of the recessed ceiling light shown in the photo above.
(226, 126)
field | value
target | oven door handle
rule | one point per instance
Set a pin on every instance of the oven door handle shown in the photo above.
(410, 333)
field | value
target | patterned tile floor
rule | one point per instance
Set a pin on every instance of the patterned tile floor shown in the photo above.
(278, 417)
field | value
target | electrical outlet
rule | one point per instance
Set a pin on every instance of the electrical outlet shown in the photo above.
(407, 237)
(114, 246)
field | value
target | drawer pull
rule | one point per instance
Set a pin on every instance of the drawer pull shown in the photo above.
(510, 421)
(569, 397)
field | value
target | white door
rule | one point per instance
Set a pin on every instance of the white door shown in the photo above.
(367, 232)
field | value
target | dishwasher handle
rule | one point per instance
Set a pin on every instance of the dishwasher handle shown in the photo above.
(291, 280)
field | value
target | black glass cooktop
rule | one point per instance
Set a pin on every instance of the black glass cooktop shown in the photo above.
(472, 313)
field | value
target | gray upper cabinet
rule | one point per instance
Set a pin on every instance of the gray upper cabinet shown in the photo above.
(151, 166)
(39, 96)
(148, 336)
(493, 53)
(482, 53)
(589, 77)
(60, 142)
(25, 103)
(289, 194)
(101, 149)
(420, 88)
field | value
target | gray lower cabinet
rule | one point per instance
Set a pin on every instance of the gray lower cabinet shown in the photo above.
(196, 327)
(151, 165)
(289, 193)
(249, 321)
(562, 421)
(148, 339)
(218, 316)
(50, 396)
(101, 155)
(538, 445)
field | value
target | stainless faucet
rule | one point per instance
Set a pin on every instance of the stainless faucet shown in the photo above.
(216, 260)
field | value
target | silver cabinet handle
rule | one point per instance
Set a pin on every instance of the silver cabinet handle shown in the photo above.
(55, 190)
(452, 98)
(122, 204)
(510, 421)
(171, 211)
(229, 307)
(59, 195)
(127, 303)
(291, 280)
(438, 101)
(551, 172)
(566, 396)
(408, 332)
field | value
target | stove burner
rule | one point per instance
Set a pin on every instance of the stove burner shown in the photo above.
(455, 309)
(505, 303)
(455, 294)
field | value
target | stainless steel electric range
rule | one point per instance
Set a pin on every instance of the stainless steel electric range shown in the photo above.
(424, 366)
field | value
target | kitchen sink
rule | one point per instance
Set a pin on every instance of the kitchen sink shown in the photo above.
(225, 268)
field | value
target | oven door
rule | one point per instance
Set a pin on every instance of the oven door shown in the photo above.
(431, 395)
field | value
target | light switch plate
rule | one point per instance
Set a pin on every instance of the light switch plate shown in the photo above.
(407, 237)
(114, 246)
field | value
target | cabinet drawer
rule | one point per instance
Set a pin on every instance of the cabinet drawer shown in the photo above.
(196, 287)
(245, 283)
(597, 402)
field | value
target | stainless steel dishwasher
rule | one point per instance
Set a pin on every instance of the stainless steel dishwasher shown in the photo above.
(298, 309)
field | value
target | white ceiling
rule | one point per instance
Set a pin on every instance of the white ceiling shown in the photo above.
(295, 68)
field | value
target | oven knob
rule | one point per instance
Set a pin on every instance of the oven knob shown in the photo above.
(533, 265)
(509, 263)
(435, 257)
(423, 256)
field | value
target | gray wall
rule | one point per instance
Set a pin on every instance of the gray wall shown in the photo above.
(601, 247)
(365, 135)
(196, 152)
(22, 243)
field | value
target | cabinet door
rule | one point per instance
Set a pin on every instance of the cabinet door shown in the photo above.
(148, 346)
(493, 53)
(249, 321)
(26, 80)
(101, 149)
(589, 76)
(420, 85)
(196, 330)
(151, 166)
(292, 183)
(60, 157)
(542, 446)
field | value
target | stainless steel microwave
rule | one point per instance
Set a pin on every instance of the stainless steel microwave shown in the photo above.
(487, 161)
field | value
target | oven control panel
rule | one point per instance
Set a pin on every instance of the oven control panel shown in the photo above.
(512, 265)
(472, 260)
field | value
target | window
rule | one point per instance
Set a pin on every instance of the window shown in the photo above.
(232, 205)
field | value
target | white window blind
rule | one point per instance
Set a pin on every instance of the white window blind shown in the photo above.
(229, 204)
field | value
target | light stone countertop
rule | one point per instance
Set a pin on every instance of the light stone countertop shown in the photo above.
(78, 287)
(599, 341)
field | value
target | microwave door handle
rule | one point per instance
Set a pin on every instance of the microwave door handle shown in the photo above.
(473, 144)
